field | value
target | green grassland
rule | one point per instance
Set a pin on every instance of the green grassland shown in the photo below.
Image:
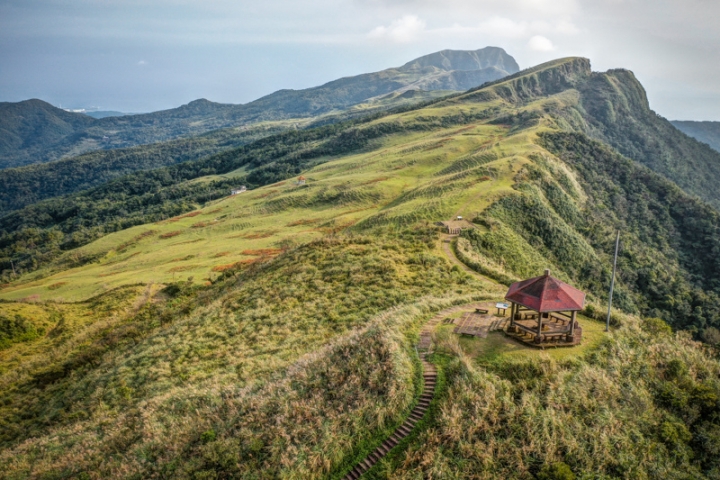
(271, 334)
(406, 178)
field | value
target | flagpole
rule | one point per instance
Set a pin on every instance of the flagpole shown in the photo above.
(612, 282)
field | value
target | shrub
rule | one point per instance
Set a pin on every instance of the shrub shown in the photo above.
(556, 471)
(711, 335)
(674, 433)
(656, 326)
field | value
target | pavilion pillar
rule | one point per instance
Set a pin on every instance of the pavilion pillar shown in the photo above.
(539, 332)
(572, 323)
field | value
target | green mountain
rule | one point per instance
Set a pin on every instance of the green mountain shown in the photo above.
(35, 132)
(33, 126)
(706, 132)
(157, 326)
(615, 110)
(22, 186)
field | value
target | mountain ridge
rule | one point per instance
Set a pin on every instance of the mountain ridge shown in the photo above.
(75, 133)
(706, 132)
(184, 332)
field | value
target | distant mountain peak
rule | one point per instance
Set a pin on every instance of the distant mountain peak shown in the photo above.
(464, 60)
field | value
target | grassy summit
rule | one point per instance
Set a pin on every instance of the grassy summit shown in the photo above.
(271, 334)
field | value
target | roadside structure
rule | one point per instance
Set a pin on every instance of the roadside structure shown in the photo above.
(544, 310)
(454, 227)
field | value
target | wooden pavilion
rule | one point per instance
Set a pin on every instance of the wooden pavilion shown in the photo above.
(544, 311)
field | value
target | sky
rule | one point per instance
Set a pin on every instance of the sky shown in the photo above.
(148, 55)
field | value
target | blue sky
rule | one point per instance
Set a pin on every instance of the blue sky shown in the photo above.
(133, 55)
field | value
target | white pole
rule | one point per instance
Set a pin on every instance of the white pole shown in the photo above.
(612, 282)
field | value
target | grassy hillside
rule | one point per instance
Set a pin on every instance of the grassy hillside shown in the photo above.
(705, 132)
(271, 334)
(493, 134)
(642, 405)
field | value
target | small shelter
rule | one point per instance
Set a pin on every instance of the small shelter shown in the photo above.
(544, 310)
(454, 227)
(300, 180)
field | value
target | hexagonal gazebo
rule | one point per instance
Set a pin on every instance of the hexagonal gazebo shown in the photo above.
(544, 311)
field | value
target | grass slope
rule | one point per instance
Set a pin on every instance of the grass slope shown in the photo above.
(272, 334)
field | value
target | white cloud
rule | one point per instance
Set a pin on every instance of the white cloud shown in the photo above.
(403, 30)
(142, 63)
(539, 43)
(567, 28)
(504, 27)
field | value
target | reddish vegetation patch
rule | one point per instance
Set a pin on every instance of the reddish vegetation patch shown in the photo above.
(263, 251)
(213, 211)
(303, 221)
(221, 254)
(135, 240)
(256, 235)
(278, 184)
(201, 224)
(484, 178)
(55, 286)
(374, 180)
(229, 266)
(31, 298)
(180, 217)
(171, 234)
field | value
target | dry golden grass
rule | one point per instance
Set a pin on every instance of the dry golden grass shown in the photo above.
(611, 413)
(284, 371)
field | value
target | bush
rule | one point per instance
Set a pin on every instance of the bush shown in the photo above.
(674, 433)
(556, 471)
(656, 326)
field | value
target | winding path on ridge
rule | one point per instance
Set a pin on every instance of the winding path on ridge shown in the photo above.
(446, 242)
(424, 347)
(446, 246)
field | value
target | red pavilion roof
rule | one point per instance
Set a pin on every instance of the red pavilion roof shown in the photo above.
(546, 294)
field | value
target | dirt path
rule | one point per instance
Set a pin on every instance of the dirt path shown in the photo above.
(446, 245)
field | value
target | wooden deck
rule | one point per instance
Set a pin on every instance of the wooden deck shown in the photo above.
(479, 325)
